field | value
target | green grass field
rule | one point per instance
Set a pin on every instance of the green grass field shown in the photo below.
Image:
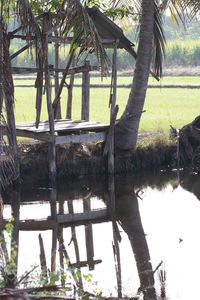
(164, 107)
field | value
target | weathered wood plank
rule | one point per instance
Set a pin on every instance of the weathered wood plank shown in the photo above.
(68, 127)
(82, 138)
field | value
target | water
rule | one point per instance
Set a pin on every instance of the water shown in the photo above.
(146, 223)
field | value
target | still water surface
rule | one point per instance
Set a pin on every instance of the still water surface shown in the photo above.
(146, 223)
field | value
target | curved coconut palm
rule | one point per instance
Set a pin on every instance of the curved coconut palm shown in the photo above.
(151, 50)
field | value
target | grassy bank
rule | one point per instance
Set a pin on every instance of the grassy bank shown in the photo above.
(164, 107)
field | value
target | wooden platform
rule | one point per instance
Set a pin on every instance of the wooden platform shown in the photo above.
(66, 131)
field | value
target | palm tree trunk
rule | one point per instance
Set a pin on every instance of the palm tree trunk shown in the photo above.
(127, 128)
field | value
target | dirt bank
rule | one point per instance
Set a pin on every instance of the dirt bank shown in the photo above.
(78, 160)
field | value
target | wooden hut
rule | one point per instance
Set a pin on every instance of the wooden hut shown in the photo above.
(57, 131)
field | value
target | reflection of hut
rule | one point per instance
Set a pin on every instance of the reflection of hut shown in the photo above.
(55, 130)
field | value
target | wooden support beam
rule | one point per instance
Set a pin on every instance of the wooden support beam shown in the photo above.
(80, 217)
(20, 51)
(75, 70)
(85, 109)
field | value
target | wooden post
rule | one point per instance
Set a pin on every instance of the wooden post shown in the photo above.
(58, 110)
(52, 146)
(112, 110)
(39, 86)
(85, 110)
(70, 95)
(8, 88)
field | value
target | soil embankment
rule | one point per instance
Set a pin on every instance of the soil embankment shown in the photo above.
(79, 160)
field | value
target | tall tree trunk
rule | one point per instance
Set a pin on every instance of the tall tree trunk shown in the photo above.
(127, 128)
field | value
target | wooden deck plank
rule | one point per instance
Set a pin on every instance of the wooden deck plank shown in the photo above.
(64, 126)
(46, 123)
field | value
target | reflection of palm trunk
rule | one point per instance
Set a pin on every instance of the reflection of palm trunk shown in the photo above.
(129, 216)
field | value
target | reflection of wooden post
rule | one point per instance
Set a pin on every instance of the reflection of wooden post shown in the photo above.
(85, 93)
(61, 243)
(110, 202)
(89, 237)
(54, 231)
(15, 234)
(74, 239)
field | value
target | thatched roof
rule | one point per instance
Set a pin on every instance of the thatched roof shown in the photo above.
(107, 29)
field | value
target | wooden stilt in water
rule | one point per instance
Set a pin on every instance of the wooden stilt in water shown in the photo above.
(85, 109)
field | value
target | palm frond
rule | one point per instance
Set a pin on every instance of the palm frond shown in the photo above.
(27, 19)
(158, 52)
(192, 7)
(85, 35)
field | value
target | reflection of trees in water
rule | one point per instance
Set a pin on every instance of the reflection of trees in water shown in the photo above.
(127, 211)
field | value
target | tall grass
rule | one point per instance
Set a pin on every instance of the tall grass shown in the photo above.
(178, 52)
(183, 52)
